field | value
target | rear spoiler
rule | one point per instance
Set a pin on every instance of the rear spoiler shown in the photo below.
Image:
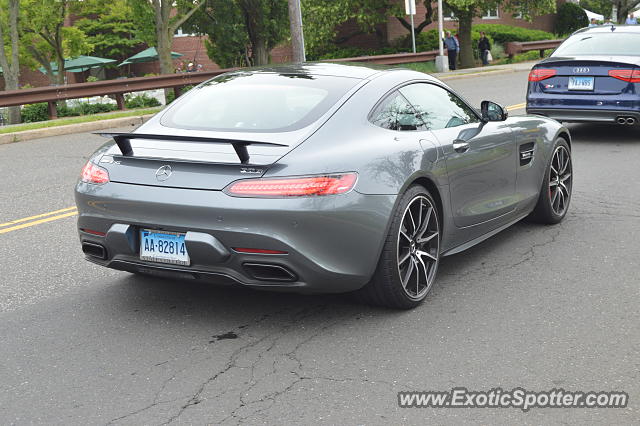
(123, 141)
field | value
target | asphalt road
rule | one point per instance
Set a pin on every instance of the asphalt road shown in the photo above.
(536, 307)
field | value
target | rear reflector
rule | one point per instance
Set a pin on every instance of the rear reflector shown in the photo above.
(258, 251)
(92, 232)
(631, 76)
(538, 74)
(92, 173)
(293, 187)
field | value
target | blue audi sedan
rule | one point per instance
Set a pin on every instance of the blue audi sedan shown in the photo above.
(593, 76)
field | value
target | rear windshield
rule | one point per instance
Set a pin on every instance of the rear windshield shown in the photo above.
(260, 102)
(605, 44)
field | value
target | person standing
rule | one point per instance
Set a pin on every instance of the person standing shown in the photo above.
(453, 47)
(484, 46)
(593, 23)
(631, 20)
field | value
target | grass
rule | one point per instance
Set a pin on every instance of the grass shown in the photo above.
(77, 120)
(427, 67)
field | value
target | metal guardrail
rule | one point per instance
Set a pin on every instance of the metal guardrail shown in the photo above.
(514, 47)
(118, 87)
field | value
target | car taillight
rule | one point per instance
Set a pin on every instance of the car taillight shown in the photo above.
(294, 186)
(538, 74)
(92, 173)
(631, 76)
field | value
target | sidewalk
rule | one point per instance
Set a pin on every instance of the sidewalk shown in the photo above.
(488, 70)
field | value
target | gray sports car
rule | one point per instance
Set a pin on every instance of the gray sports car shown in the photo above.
(318, 178)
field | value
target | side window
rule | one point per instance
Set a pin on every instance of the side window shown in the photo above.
(395, 113)
(437, 107)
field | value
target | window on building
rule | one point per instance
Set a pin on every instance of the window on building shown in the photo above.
(491, 14)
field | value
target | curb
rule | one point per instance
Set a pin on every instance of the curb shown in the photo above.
(497, 71)
(90, 126)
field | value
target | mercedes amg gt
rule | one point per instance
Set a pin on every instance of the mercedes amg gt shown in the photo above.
(318, 177)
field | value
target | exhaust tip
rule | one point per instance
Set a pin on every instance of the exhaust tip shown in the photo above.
(631, 121)
(269, 272)
(94, 250)
(621, 120)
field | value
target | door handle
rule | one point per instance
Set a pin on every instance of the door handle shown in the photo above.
(460, 146)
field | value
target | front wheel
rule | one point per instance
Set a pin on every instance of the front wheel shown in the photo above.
(409, 260)
(555, 194)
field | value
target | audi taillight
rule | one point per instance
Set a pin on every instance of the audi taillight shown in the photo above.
(293, 186)
(92, 173)
(539, 74)
(631, 76)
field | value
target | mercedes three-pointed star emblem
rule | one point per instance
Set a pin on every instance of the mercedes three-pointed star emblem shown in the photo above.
(163, 173)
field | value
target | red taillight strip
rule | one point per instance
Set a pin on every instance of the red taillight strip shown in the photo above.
(293, 186)
(630, 76)
(538, 74)
(95, 174)
(93, 232)
(258, 251)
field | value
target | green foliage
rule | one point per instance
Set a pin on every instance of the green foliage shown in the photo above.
(35, 112)
(241, 32)
(109, 28)
(570, 17)
(92, 78)
(40, 112)
(505, 33)
(140, 101)
(322, 19)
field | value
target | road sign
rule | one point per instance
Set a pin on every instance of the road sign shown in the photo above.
(410, 7)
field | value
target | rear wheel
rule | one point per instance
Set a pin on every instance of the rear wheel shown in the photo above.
(555, 194)
(409, 260)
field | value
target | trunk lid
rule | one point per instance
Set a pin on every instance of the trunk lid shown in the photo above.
(586, 75)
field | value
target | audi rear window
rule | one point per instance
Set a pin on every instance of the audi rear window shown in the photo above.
(260, 102)
(604, 44)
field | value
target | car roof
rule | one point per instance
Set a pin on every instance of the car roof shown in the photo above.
(349, 70)
(608, 28)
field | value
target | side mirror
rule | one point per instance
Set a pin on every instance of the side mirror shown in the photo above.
(492, 111)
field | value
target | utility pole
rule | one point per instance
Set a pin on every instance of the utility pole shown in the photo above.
(297, 35)
(441, 60)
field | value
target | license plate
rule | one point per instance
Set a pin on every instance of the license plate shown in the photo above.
(163, 247)
(580, 83)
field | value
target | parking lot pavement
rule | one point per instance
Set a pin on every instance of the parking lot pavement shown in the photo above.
(537, 307)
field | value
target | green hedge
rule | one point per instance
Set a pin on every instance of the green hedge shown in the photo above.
(570, 17)
(428, 40)
(140, 101)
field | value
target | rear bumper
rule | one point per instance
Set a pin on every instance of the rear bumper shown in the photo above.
(333, 243)
(584, 115)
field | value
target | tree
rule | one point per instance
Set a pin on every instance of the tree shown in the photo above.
(624, 7)
(322, 19)
(10, 62)
(165, 25)
(429, 15)
(570, 17)
(47, 39)
(241, 32)
(109, 28)
(466, 10)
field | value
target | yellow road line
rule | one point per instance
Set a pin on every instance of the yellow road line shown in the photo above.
(517, 106)
(25, 219)
(37, 222)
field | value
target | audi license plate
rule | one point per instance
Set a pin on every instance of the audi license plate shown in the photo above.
(163, 247)
(580, 83)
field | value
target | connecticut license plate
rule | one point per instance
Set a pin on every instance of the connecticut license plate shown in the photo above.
(164, 247)
(580, 83)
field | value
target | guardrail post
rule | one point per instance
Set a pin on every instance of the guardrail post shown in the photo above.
(53, 110)
(120, 101)
(177, 91)
(541, 53)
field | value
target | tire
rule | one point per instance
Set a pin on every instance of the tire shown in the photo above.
(410, 254)
(555, 193)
